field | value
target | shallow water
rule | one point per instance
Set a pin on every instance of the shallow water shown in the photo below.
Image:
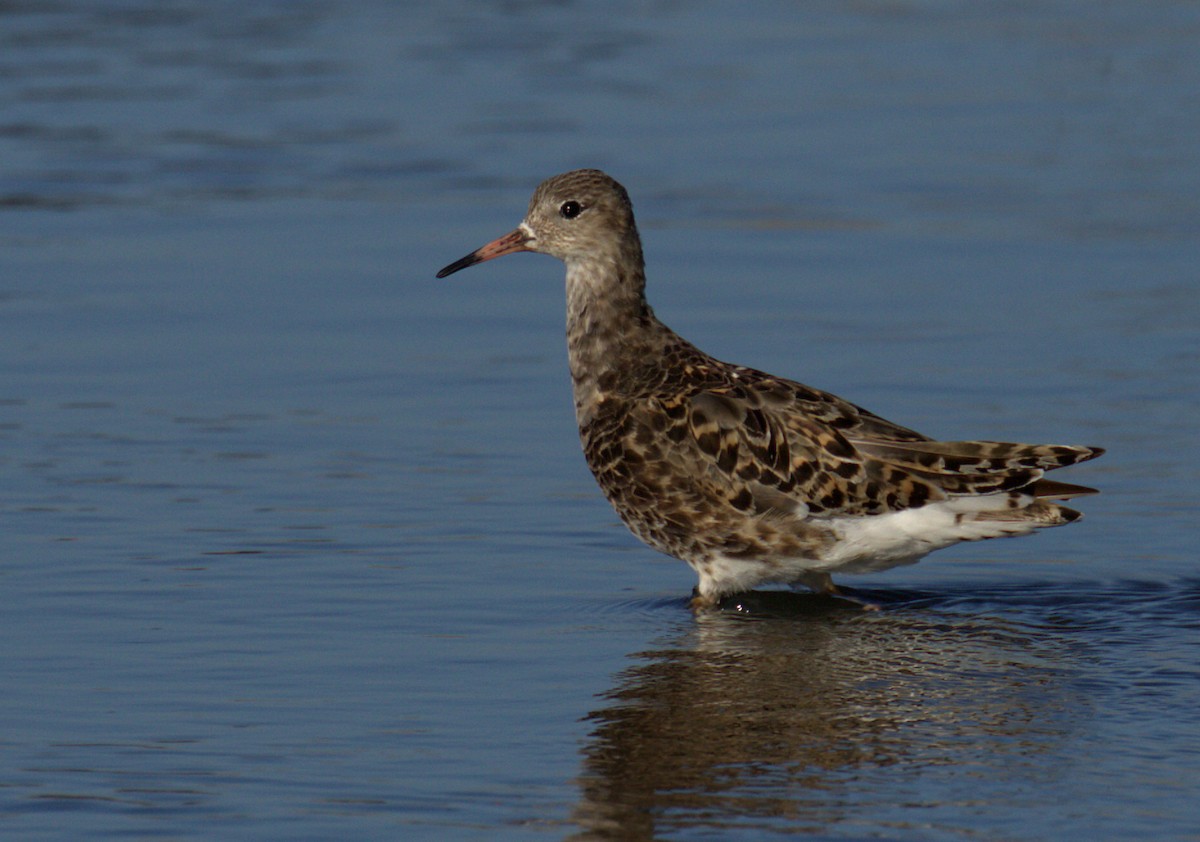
(298, 543)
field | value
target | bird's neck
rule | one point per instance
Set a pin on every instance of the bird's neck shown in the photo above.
(612, 333)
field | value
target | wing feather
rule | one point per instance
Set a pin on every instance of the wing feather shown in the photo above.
(772, 446)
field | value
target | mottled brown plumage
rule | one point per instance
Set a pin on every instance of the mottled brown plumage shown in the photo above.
(751, 478)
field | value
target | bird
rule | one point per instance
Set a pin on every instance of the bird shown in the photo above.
(750, 478)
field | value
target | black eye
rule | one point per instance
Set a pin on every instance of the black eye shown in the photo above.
(570, 210)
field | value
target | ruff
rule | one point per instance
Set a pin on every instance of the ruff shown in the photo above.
(751, 478)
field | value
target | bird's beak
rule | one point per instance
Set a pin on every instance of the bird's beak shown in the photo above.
(518, 240)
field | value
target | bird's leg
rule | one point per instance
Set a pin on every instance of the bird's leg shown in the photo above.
(818, 582)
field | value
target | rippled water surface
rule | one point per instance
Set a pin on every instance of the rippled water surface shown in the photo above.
(297, 541)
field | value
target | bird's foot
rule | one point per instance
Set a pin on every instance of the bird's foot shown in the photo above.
(781, 603)
(865, 605)
(822, 583)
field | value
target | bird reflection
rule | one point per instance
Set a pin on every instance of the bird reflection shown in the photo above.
(784, 711)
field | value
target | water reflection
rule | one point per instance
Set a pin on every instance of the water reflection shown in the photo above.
(786, 722)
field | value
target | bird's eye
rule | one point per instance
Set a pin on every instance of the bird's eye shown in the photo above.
(570, 210)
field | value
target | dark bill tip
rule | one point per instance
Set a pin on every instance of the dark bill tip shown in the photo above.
(470, 260)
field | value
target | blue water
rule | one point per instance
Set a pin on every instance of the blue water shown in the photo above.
(297, 541)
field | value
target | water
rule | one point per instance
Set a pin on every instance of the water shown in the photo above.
(297, 540)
